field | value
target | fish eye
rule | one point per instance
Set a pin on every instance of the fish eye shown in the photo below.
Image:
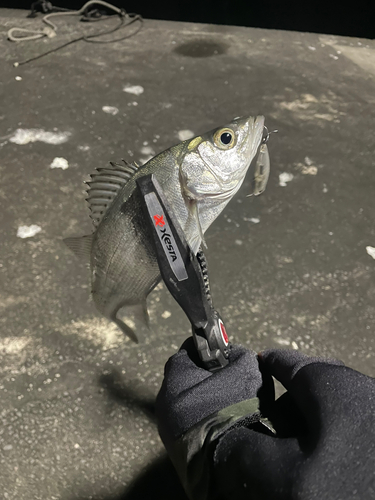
(225, 138)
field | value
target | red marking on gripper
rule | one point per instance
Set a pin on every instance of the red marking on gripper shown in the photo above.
(159, 220)
(224, 333)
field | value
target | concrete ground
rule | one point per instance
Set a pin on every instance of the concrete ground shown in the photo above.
(288, 269)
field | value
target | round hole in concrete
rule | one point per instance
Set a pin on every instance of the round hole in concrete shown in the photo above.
(201, 48)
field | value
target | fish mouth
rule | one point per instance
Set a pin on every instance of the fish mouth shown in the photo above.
(254, 129)
(244, 121)
(225, 194)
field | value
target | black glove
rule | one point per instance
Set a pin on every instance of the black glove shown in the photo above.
(331, 455)
(195, 406)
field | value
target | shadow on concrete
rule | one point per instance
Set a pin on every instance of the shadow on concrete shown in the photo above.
(201, 48)
(123, 394)
(159, 480)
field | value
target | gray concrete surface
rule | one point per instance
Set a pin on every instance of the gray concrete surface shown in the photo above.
(288, 269)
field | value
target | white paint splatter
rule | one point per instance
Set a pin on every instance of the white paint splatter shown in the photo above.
(111, 110)
(309, 170)
(134, 89)
(295, 345)
(325, 189)
(282, 341)
(184, 135)
(28, 231)
(147, 150)
(238, 242)
(166, 314)
(333, 56)
(13, 345)
(254, 220)
(59, 162)
(311, 47)
(284, 178)
(18, 78)
(83, 148)
(371, 251)
(25, 136)
(134, 103)
(299, 105)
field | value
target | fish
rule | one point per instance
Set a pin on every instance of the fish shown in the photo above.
(199, 177)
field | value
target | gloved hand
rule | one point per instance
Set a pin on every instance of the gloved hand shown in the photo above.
(195, 406)
(332, 458)
(189, 393)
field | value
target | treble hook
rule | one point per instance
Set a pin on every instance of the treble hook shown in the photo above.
(267, 136)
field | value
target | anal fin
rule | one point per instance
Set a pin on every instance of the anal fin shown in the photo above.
(138, 312)
(125, 329)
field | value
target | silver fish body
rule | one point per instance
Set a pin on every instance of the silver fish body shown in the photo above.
(198, 176)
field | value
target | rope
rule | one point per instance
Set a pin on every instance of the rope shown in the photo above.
(38, 34)
(50, 29)
(81, 11)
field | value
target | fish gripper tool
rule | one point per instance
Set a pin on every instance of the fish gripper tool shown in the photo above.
(185, 275)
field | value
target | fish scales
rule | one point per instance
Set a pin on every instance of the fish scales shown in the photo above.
(122, 258)
(198, 176)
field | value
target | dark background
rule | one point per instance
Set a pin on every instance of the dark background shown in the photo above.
(354, 18)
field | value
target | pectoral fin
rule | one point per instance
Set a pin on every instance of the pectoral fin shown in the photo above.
(193, 207)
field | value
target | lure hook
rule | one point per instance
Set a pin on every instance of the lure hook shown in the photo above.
(267, 136)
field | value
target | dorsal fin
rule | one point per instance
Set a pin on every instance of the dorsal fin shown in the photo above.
(104, 186)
